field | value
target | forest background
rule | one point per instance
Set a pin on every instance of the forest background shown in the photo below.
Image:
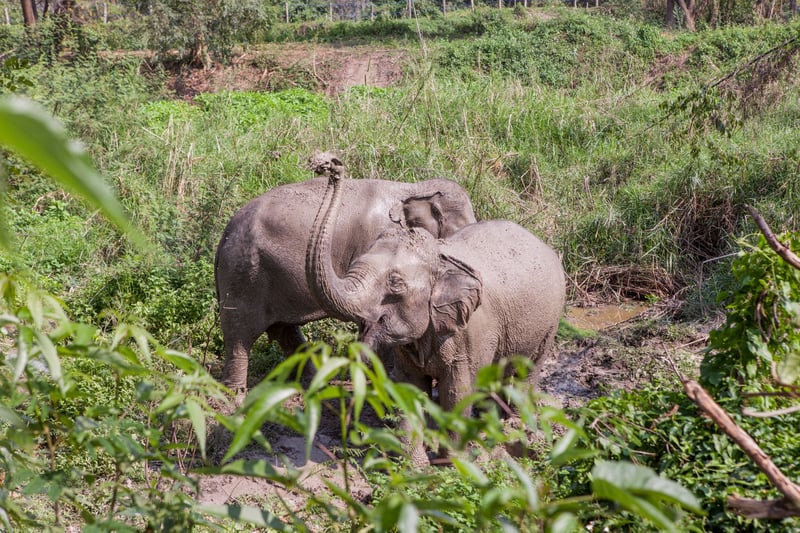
(629, 135)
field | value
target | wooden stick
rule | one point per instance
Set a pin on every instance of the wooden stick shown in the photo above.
(768, 509)
(780, 248)
(699, 396)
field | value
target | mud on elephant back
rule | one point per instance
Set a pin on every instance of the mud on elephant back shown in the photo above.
(260, 261)
(447, 306)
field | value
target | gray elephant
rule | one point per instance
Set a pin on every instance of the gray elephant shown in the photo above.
(260, 261)
(449, 306)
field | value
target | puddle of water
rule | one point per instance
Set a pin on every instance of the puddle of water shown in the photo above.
(603, 316)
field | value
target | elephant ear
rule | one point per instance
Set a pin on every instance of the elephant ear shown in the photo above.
(408, 214)
(455, 296)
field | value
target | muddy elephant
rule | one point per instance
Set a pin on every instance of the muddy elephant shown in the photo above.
(449, 306)
(260, 261)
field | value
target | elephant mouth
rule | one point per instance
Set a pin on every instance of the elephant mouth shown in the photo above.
(374, 335)
(413, 353)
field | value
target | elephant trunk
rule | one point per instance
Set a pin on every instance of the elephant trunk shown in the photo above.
(338, 296)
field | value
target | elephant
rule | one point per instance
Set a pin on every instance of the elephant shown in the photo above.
(260, 261)
(448, 306)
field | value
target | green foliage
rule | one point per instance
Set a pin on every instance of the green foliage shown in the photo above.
(13, 76)
(31, 132)
(78, 407)
(249, 108)
(482, 495)
(762, 320)
(555, 53)
(160, 113)
(576, 140)
(661, 429)
(55, 36)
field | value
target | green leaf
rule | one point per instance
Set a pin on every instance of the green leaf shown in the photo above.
(640, 490)
(35, 308)
(470, 470)
(328, 369)
(359, 383)
(789, 368)
(568, 449)
(27, 129)
(245, 513)
(8, 416)
(564, 523)
(260, 468)
(383, 439)
(258, 404)
(198, 419)
(181, 361)
(24, 338)
(527, 484)
(314, 415)
(408, 518)
(51, 356)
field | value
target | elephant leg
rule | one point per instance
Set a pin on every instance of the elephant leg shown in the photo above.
(239, 333)
(454, 386)
(413, 442)
(288, 336)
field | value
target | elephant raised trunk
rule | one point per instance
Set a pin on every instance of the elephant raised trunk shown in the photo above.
(338, 296)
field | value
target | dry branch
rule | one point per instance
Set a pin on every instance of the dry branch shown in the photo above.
(780, 248)
(765, 509)
(751, 508)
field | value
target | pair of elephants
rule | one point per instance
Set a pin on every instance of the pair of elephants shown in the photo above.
(408, 262)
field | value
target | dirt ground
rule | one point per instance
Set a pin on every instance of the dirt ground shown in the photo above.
(633, 342)
(327, 69)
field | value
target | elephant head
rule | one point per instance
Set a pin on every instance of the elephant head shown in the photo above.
(400, 290)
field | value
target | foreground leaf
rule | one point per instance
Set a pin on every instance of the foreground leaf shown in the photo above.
(642, 491)
(27, 129)
(245, 513)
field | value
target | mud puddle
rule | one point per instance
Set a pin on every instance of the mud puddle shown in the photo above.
(603, 316)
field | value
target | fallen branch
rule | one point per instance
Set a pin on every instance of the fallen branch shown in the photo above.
(765, 509)
(773, 509)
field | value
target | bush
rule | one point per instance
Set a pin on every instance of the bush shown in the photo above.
(762, 324)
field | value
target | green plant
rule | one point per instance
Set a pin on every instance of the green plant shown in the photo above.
(761, 324)
(660, 428)
(13, 75)
(250, 108)
(481, 494)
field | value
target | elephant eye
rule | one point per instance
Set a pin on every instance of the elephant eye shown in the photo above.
(396, 284)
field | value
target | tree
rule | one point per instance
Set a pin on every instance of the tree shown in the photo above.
(28, 12)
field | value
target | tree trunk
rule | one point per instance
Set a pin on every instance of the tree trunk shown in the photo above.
(669, 15)
(688, 13)
(28, 13)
